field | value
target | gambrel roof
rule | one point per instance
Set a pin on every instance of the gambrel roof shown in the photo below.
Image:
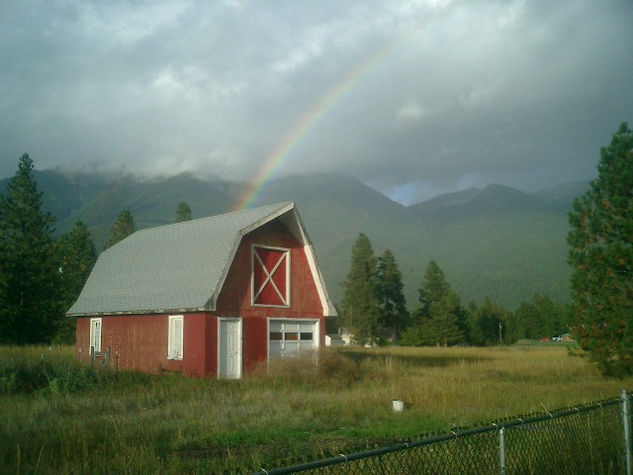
(181, 267)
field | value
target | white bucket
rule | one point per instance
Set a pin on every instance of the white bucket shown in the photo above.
(397, 405)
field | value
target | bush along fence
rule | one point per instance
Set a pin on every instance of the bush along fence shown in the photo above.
(594, 438)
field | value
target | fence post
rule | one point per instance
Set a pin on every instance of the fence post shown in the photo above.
(502, 451)
(626, 423)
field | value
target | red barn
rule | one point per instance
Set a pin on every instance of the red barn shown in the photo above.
(209, 297)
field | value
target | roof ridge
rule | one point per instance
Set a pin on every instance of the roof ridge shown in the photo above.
(279, 205)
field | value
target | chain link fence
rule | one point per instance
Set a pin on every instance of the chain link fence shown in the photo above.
(594, 438)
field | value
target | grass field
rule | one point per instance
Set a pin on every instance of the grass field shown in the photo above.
(57, 416)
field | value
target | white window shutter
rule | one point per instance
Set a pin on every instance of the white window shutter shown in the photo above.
(95, 334)
(175, 337)
(178, 338)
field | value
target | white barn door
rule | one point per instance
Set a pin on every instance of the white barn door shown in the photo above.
(230, 348)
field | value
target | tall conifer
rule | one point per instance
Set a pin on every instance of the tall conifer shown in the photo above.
(391, 296)
(77, 256)
(601, 255)
(440, 318)
(361, 312)
(30, 305)
(122, 228)
(434, 288)
(445, 320)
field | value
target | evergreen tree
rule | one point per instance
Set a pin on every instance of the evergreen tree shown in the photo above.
(440, 318)
(444, 321)
(601, 255)
(434, 288)
(417, 335)
(77, 256)
(30, 307)
(183, 212)
(361, 307)
(537, 318)
(491, 320)
(523, 323)
(122, 228)
(475, 335)
(550, 314)
(390, 293)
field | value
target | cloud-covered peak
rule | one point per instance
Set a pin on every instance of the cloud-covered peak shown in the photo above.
(423, 96)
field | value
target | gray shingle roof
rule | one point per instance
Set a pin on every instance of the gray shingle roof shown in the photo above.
(173, 268)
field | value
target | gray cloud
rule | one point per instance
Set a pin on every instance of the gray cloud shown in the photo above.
(433, 95)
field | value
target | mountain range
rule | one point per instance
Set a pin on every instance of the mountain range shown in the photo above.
(497, 242)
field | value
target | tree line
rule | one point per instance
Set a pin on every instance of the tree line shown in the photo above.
(40, 276)
(374, 309)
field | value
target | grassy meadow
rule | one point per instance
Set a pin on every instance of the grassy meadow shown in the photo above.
(58, 416)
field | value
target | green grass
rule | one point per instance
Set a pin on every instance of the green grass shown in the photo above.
(58, 416)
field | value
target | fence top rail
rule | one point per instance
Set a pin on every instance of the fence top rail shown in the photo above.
(506, 423)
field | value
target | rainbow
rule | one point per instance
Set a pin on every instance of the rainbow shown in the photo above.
(323, 106)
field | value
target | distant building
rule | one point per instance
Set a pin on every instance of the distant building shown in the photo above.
(334, 340)
(210, 297)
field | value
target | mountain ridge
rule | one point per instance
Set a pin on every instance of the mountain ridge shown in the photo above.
(497, 241)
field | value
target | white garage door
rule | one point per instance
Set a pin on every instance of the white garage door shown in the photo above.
(288, 337)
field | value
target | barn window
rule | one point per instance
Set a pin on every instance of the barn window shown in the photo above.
(95, 334)
(174, 338)
(270, 277)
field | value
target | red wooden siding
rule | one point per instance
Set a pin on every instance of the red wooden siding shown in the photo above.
(141, 341)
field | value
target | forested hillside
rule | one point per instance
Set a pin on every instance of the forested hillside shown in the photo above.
(497, 242)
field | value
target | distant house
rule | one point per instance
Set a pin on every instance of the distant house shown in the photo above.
(210, 297)
(334, 340)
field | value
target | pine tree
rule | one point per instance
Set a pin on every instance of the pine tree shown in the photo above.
(537, 318)
(492, 322)
(183, 212)
(77, 255)
(390, 293)
(601, 255)
(444, 320)
(361, 308)
(122, 228)
(440, 318)
(30, 305)
(434, 288)
(523, 323)
(474, 333)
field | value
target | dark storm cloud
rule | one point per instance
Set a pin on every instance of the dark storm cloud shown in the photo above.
(523, 93)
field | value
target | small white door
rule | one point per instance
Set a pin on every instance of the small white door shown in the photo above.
(230, 348)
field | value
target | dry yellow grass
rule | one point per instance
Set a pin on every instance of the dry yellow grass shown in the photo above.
(466, 385)
(286, 411)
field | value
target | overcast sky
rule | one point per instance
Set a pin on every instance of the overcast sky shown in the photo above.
(414, 98)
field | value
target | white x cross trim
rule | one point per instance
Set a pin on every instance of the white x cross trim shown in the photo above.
(269, 278)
